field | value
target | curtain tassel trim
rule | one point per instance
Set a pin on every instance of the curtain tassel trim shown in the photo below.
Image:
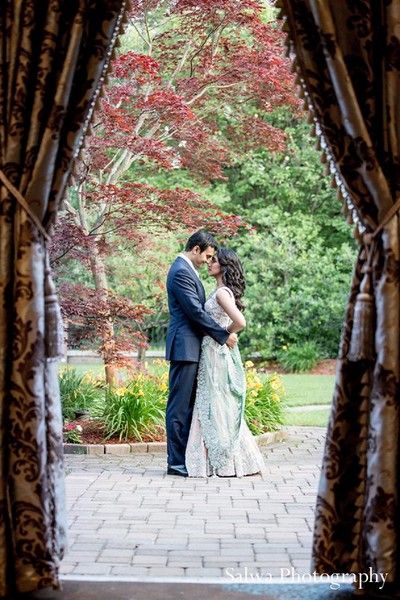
(362, 341)
(54, 330)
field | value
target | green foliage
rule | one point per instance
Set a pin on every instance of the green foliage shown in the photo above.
(299, 257)
(136, 409)
(298, 358)
(264, 407)
(296, 288)
(78, 392)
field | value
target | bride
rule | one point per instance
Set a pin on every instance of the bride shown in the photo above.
(220, 442)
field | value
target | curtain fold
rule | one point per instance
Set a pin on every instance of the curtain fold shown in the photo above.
(53, 60)
(347, 58)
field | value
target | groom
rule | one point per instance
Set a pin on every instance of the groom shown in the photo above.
(188, 324)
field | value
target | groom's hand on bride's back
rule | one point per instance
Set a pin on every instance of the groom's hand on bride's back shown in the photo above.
(232, 340)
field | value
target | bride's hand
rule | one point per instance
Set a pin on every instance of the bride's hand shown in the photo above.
(232, 340)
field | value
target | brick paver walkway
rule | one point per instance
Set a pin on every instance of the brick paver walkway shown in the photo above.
(128, 518)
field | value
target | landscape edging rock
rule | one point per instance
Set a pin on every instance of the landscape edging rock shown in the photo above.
(271, 437)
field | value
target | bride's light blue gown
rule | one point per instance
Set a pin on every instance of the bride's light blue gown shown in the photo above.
(220, 442)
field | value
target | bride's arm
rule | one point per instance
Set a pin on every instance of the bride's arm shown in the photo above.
(227, 302)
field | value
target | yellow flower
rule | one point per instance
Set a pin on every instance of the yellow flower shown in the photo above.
(163, 387)
(140, 392)
(248, 364)
(120, 391)
(254, 393)
(254, 379)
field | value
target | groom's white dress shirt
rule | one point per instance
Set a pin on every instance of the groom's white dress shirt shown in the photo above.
(189, 263)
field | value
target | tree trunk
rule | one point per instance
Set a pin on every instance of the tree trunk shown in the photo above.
(141, 353)
(107, 331)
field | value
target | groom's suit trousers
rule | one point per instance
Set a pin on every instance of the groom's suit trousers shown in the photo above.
(182, 394)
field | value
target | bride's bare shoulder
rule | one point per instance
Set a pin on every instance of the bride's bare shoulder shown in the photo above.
(223, 292)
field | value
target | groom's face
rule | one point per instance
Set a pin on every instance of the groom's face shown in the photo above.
(202, 258)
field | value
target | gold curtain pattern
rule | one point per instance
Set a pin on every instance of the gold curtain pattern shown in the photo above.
(347, 59)
(53, 59)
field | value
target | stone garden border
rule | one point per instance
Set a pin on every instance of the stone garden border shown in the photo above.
(272, 437)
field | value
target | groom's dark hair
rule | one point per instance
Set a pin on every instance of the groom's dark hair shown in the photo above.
(203, 239)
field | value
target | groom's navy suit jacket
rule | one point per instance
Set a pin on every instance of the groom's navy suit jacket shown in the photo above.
(189, 322)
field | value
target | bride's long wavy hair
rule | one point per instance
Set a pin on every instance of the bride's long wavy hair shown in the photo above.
(232, 274)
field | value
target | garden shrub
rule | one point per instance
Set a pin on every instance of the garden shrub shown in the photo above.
(78, 392)
(135, 409)
(297, 358)
(264, 401)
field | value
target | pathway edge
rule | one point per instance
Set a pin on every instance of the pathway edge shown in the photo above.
(271, 437)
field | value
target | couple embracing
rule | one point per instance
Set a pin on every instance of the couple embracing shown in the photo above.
(206, 431)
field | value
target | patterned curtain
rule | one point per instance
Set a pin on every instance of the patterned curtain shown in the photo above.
(53, 60)
(347, 58)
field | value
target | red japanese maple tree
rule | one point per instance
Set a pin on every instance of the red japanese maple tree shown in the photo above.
(190, 90)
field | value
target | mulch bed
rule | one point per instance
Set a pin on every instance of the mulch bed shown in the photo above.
(93, 434)
(325, 367)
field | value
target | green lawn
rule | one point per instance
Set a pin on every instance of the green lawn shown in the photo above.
(95, 369)
(98, 370)
(308, 389)
(309, 418)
